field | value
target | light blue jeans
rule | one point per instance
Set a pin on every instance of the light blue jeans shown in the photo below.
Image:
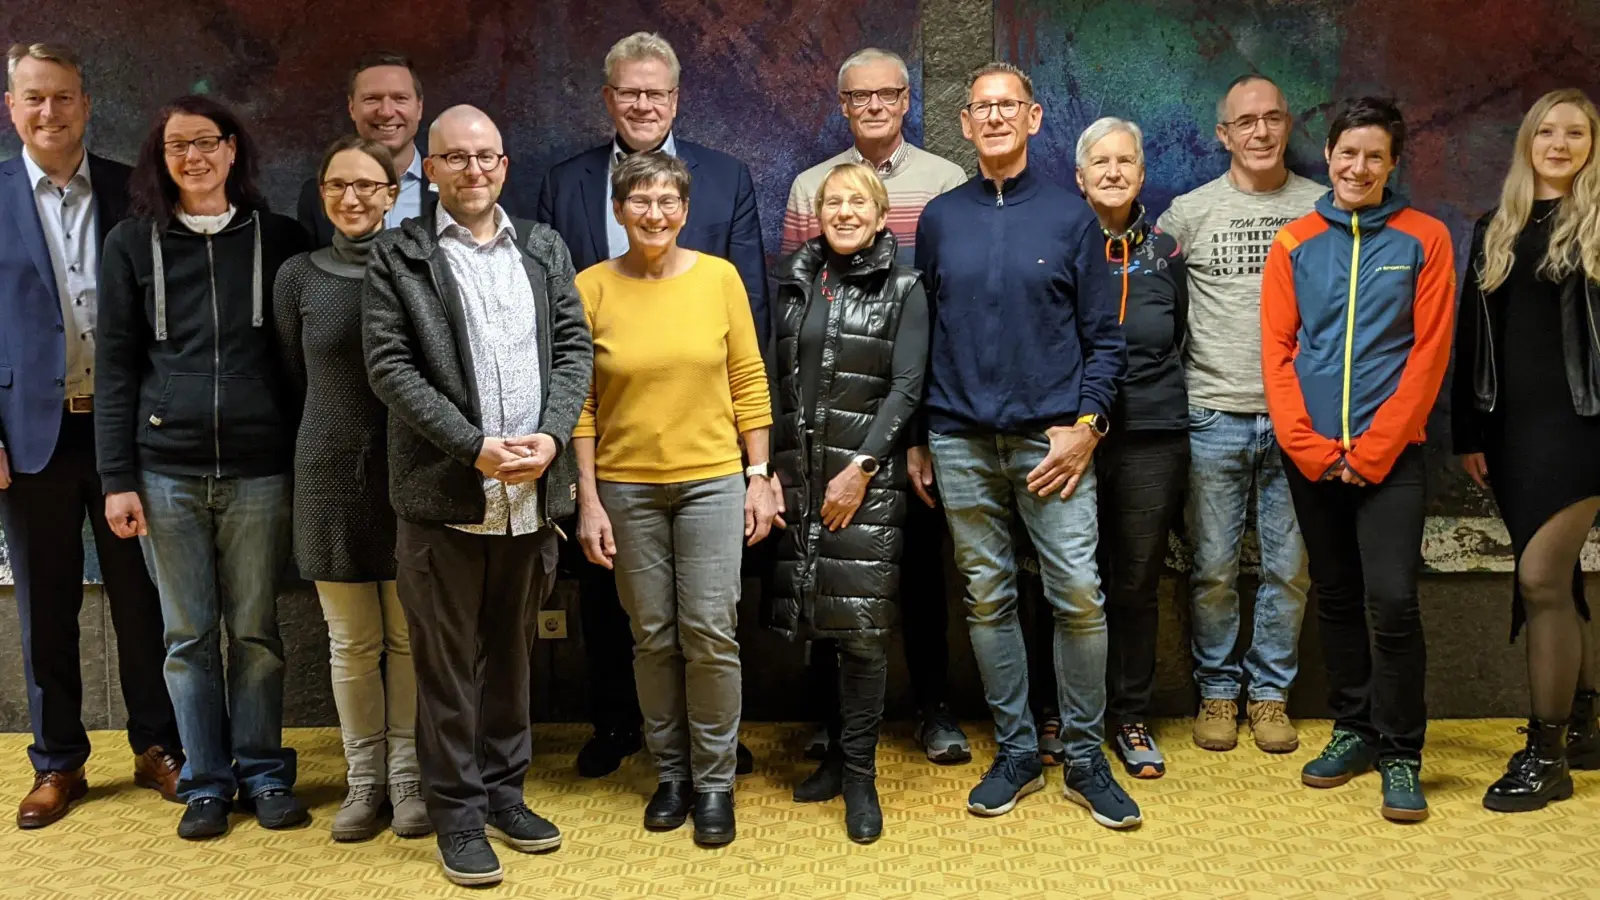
(1233, 457)
(984, 483)
(216, 550)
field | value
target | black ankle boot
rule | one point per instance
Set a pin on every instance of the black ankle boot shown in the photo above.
(1583, 733)
(863, 819)
(1536, 775)
(824, 784)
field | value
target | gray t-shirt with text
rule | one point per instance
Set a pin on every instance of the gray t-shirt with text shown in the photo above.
(1225, 234)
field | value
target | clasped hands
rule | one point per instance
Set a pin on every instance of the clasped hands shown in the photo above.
(515, 460)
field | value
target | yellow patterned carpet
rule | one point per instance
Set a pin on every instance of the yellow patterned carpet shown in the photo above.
(1219, 825)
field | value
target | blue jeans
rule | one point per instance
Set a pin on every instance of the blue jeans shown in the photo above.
(984, 482)
(1232, 456)
(216, 549)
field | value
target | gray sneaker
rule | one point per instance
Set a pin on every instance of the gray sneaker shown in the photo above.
(941, 737)
(358, 817)
(410, 814)
(1138, 751)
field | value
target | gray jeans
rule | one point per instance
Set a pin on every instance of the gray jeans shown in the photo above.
(678, 554)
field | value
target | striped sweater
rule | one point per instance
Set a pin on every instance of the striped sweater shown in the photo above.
(913, 176)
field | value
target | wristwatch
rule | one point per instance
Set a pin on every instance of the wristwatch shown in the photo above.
(759, 470)
(1100, 424)
(867, 464)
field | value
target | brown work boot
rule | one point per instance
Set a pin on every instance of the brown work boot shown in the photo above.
(158, 770)
(52, 795)
(1269, 721)
(1217, 725)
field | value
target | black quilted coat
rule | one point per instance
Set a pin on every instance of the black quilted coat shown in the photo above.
(841, 583)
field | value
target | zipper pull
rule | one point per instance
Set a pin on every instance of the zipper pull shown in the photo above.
(999, 198)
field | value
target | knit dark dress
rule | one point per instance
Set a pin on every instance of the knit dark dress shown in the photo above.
(1542, 455)
(344, 528)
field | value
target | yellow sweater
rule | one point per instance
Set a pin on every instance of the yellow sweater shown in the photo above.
(678, 374)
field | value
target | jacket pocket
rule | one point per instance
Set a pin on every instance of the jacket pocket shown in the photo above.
(179, 421)
(5, 376)
(250, 423)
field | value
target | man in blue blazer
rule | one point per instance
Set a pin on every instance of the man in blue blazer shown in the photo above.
(56, 204)
(641, 94)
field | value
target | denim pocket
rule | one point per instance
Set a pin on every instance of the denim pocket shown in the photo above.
(1201, 418)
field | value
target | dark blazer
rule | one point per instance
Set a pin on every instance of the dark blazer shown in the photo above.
(33, 351)
(419, 361)
(722, 214)
(314, 219)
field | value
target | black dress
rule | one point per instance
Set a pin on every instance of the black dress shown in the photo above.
(344, 527)
(1542, 455)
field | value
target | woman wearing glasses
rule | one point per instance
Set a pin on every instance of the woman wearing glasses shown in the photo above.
(851, 333)
(344, 528)
(664, 497)
(194, 425)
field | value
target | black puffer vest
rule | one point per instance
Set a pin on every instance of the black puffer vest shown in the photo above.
(847, 582)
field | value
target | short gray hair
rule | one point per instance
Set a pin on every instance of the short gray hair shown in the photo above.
(872, 55)
(56, 53)
(639, 46)
(648, 168)
(1001, 68)
(1241, 81)
(1102, 127)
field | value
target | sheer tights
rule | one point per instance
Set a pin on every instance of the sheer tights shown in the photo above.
(1560, 658)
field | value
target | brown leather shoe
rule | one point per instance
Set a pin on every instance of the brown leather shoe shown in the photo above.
(158, 770)
(52, 795)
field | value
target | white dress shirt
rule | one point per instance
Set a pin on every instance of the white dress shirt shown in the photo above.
(503, 331)
(71, 231)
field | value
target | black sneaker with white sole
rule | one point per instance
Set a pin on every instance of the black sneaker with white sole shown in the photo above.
(523, 830)
(1093, 787)
(1008, 780)
(468, 860)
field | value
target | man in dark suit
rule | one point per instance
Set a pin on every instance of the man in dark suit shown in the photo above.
(56, 204)
(641, 94)
(384, 96)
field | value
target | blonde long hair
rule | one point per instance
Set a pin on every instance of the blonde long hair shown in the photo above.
(1575, 237)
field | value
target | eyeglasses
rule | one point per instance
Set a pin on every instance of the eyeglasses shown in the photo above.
(639, 204)
(886, 96)
(983, 110)
(365, 189)
(1247, 124)
(630, 96)
(458, 160)
(857, 204)
(206, 144)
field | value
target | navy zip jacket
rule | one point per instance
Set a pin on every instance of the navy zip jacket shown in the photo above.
(1025, 331)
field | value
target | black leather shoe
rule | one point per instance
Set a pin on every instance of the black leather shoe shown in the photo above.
(669, 808)
(204, 817)
(1535, 776)
(713, 818)
(863, 818)
(276, 809)
(822, 785)
(604, 752)
(744, 761)
(1583, 733)
(468, 860)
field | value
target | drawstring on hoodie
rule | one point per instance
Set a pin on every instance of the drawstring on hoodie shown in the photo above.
(159, 276)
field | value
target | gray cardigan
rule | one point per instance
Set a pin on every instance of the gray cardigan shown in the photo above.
(420, 365)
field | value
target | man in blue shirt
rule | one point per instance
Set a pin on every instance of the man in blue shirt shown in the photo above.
(641, 94)
(1027, 355)
(385, 100)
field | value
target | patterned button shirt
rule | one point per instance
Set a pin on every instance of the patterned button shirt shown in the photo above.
(889, 166)
(503, 332)
(71, 232)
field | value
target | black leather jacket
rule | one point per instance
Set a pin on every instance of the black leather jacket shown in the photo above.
(1480, 320)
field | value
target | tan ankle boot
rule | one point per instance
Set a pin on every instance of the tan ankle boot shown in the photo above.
(1217, 725)
(1269, 721)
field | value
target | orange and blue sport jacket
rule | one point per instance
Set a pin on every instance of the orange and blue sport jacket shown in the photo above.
(1356, 321)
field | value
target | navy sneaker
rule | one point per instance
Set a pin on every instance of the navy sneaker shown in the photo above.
(1346, 756)
(1007, 781)
(1092, 787)
(1402, 790)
